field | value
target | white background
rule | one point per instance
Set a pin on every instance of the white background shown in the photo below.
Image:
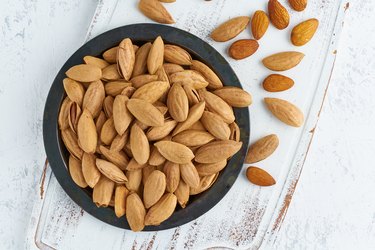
(334, 203)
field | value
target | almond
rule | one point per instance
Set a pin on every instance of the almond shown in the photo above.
(154, 188)
(243, 48)
(298, 5)
(283, 61)
(108, 106)
(156, 55)
(189, 77)
(234, 96)
(193, 138)
(217, 151)
(215, 125)
(154, 10)
(152, 91)
(102, 192)
(145, 112)
(262, 148)
(174, 152)
(94, 97)
(108, 132)
(162, 210)
(277, 83)
(259, 177)
(303, 32)
(259, 24)
(235, 132)
(177, 102)
(86, 131)
(157, 133)
(74, 115)
(156, 159)
(128, 91)
(177, 55)
(89, 170)
(140, 64)
(146, 172)
(278, 14)
(100, 63)
(75, 170)
(111, 171)
(134, 165)
(74, 90)
(213, 80)
(135, 212)
(84, 73)
(230, 29)
(139, 145)
(285, 111)
(63, 119)
(192, 95)
(172, 173)
(189, 174)
(121, 193)
(119, 141)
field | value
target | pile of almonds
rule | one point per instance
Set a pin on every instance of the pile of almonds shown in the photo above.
(146, 127)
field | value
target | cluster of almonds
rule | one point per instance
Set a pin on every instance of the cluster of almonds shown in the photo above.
(146, 127)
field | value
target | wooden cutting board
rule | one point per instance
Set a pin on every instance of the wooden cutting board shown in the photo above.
(248, 216)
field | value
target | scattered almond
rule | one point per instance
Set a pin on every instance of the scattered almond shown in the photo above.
(154, 10)
(230, 29)
(278, 14)
(283, 61)
(243, 48)
(277, 83)
(259, 24)
(259, 177)
(285, 111)
(298, 5)
(262, 148)
(303, 32)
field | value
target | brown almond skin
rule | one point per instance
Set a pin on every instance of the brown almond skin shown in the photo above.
(259, 24)
(298, 5)
(230, 29)
(303, 32)
(262, 148)
(285, 111)
(277, 83)
(243, 48)
(283, 60)
(279, 16)
(259, 177)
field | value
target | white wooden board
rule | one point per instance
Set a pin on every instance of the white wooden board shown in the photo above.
(248, 215)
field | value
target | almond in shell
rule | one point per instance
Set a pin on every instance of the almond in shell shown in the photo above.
(71, 143)
(211, 168)
(94, 97)
(182, 193)
(189, 174)
(89, 170)
(98, 62)
(108, 106)
(121, 115)
(192, 95)
(64, 113)
(215, 125)
(278, 14)
(146, 171)
(193, 138)
(135, 212)
(116, 87)
(171, 68)
(285, 111)
(213, 80)
(195, 113)
(172, 173)
(119, 158)
(139, 145)
(217, 151)
(140, 80)
(75, 170)
(262, 148)
(162, 210)
(154, 10)
(140, 65)
(108, 132)
(74, 115)
(204, 184)
(74, 90)
(283, 61)
(111, 171)
(110, 55)
(157, 133)
(177, 55)
(154, 188)
(177, 102)
(152, 91)
(303, 32)
(145, 112)
(121, 194)
(174, 152)
(119, 141)
(84, 73)
(217, 105)
(134, 180)
(277, 83)
(111, 73)
(126, 58)
(156, 55)
(86, 131)
(230, 29)
(234, 96)
(259, 176)
(156, 159)
(189, 77)
(259, 24)
(102, 192)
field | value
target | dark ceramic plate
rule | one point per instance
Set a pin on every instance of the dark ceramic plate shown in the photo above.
(139, 34)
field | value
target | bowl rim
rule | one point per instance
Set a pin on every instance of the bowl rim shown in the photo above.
(56, 152)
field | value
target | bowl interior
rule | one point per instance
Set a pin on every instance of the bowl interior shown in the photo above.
(140, 33)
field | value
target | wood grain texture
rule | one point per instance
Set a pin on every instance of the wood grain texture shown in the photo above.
(330, 210)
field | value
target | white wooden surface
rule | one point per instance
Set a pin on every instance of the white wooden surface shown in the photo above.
(333, 206)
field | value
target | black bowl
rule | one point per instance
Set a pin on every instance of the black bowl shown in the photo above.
(141, 33)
